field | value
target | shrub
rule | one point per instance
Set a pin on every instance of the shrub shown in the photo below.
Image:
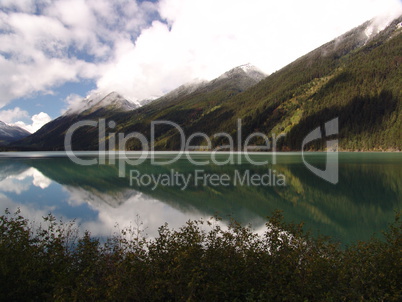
(201, 261)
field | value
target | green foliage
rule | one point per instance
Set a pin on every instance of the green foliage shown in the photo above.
(201, 261)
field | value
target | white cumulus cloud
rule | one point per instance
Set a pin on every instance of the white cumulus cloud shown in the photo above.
(44, 44)
(11, 115)
(143, 49)
(16, 116)
(38, 120)
(203, 39)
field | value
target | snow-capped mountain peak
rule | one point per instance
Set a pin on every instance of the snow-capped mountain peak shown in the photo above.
(10, 133)
(247, 69)
(96, 101)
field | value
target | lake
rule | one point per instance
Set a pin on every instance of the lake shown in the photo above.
(107, 194)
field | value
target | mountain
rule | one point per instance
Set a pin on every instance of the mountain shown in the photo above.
(235, 80)
(356, 78)
(174, 105)
(94, 107)
(247, 75)
(10, 134)
(98, 101)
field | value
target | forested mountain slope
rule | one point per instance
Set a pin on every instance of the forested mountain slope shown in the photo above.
(356, 78)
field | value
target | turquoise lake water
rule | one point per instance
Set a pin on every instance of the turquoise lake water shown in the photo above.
(111, 191)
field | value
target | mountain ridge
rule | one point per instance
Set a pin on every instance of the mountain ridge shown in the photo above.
(356, 77)
(97, 101)
(9, 133)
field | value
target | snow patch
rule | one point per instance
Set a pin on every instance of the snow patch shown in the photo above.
(248, 68)
(379, 24)
(7, 130)
(97, 100)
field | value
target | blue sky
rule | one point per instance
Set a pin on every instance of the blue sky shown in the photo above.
(53, 53)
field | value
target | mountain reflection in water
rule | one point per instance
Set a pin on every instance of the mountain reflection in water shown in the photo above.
(361, 204)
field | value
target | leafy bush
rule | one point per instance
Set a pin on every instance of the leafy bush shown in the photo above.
(201, 261)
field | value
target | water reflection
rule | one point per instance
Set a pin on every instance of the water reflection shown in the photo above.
(362, 203)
